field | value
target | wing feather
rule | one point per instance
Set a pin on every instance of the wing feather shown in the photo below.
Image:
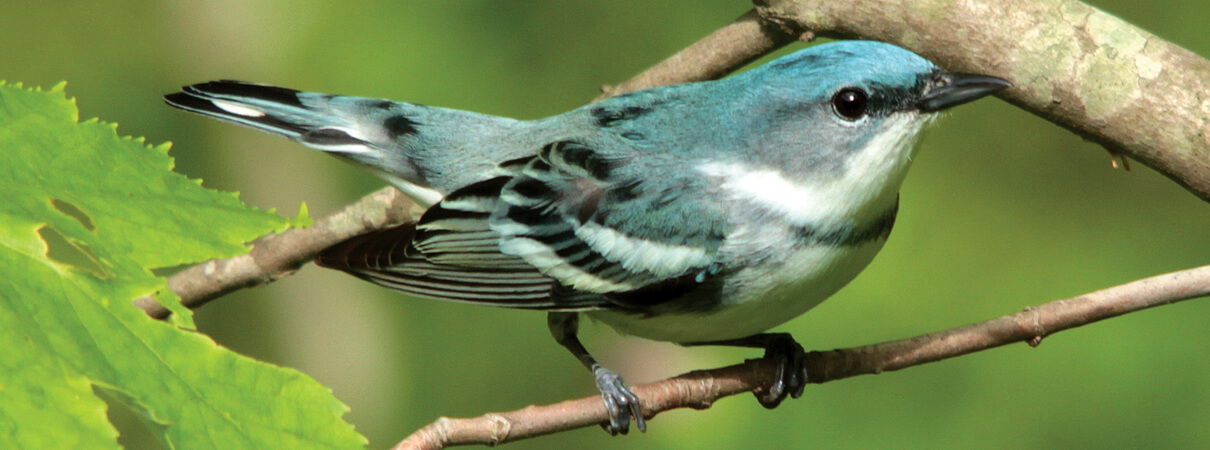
(549, 216)
(536, 237)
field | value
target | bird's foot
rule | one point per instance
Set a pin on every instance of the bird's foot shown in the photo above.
(622, 404)
(791, 361)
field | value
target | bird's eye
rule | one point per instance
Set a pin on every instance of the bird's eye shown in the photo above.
(850, 103)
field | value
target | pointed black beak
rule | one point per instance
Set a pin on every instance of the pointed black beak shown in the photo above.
(949, 89)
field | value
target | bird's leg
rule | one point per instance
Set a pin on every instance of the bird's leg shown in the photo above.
(791, 360)
(622, 404)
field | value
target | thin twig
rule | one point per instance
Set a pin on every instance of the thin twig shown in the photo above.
(700, 389)
(274, 256)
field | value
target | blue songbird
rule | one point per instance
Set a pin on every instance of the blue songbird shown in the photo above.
(700, 213)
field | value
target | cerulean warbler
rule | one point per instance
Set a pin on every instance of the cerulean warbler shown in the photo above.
(700, 213)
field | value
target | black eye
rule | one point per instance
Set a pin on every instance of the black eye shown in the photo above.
(850, 103)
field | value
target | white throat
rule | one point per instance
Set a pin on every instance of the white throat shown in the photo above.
(869, 184)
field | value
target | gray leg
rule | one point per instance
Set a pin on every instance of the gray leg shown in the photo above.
(791, 364)
(622, 404)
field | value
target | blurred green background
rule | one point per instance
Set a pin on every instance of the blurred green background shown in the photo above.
(1002, 210)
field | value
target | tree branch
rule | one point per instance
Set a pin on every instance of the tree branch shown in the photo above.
(1071, 64)
(274, 256)
(736, 44)
(700, 389)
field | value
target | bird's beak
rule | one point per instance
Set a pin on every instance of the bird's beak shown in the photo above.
(949, 89)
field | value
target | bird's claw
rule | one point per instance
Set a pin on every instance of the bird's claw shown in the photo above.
(621, 403)
(791, 379)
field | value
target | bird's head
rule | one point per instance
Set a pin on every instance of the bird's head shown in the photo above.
(844, 116)
(859, 80)
(840, 96)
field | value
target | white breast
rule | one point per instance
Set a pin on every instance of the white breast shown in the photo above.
(771, 296)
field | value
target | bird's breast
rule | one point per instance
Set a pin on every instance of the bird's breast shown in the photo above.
(752, 299)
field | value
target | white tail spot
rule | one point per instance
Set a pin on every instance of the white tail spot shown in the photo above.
(237, 109)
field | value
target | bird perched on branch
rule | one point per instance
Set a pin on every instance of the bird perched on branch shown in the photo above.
(700, 213)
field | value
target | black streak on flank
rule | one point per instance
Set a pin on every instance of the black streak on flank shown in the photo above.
(606, 117)
(879, 229)
(400, 126)
(384, 105)
(653, 294)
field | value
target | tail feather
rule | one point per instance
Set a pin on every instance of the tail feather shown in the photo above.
(239, 90)
(424, 151)
(364, 130)
(292, 114)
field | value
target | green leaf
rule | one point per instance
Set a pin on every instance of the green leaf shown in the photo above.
(86, 216)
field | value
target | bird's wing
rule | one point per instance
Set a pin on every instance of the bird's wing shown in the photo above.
(567, 229)
(586, 219)
(484, 276)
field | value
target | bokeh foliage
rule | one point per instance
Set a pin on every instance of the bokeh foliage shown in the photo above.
(87, 216)
(1002, 210)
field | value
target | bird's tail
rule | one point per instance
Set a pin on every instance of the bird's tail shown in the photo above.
(414, 147)
(326, 122)
(379, 135)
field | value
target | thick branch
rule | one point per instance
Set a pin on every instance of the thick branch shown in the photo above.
(734, 45)
(700, 389)
(1072, 64)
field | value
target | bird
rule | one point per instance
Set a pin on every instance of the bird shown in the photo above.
(702, 213)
